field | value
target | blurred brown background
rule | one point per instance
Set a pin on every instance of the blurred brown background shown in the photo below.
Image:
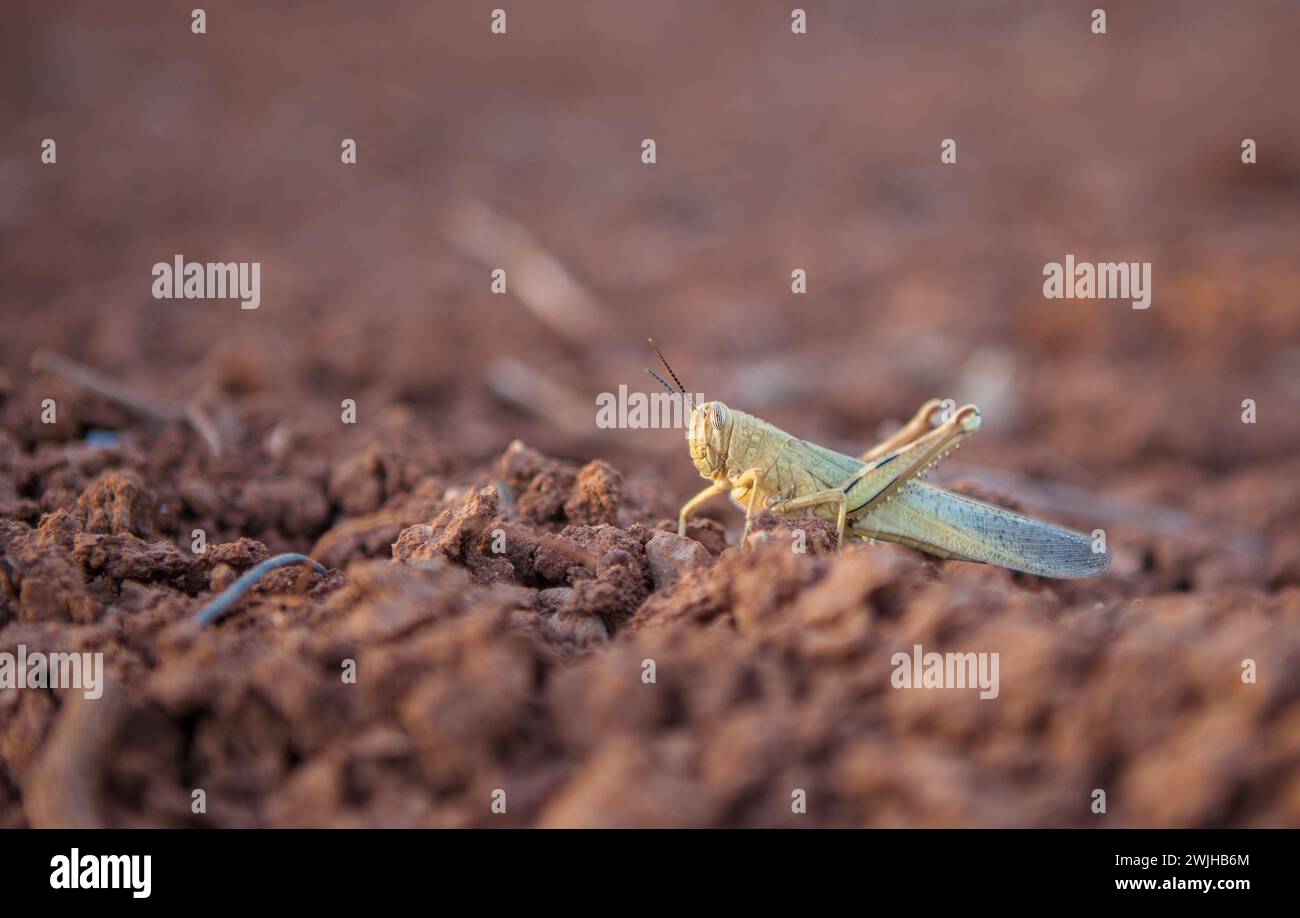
(776, 151)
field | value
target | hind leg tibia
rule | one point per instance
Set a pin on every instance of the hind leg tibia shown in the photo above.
(925, 419)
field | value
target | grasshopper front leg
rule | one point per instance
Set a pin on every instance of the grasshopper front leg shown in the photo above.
(748, 481)
(829, 496)
(695, 502)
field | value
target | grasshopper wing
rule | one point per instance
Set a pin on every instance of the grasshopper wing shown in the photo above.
(954, 526)
(826, 467)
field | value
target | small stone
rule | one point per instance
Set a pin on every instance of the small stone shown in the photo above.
(578, 629)
(670, 555)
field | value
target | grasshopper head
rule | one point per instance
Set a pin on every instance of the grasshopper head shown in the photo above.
(710, 438)
(711, 423)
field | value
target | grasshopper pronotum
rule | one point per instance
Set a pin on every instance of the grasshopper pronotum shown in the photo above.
(879, 495)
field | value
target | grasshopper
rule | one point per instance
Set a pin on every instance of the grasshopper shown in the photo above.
(878, 495)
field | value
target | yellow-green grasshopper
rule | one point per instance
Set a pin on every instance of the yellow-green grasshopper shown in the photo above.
(876, 496)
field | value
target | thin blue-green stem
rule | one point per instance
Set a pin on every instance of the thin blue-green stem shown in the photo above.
(232, 594)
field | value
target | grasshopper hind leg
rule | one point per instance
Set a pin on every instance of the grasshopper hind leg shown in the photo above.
(925, 420)
(880, 480)
(897, 507)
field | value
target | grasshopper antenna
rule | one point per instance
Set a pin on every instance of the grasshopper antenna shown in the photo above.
(663, 382)
(690, 403)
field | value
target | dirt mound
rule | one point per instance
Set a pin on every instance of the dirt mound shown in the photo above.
(513, 645)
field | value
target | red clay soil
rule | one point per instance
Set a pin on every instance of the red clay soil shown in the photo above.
(503, 572)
